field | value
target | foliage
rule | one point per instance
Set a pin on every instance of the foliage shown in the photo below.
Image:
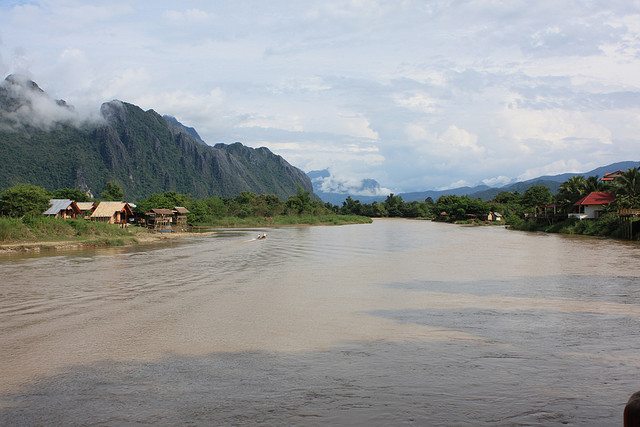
(458, 208)
(145, 154)
(394, 205)
(302, 203)
(74, 194)
(41, 228)
(325, 219)
(166, 200)
(24, 199)
(627, 188)
(536, 196)
(13, 229)
(508, 197)
(113, 192)
(572, 190)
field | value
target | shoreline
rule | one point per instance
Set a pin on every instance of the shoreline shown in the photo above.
(143, 237)
(72, 245)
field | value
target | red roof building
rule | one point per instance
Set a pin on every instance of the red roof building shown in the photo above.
(591, 205)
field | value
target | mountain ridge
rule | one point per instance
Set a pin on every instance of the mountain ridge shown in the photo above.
(142, 150)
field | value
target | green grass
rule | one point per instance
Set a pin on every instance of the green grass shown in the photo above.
(13, 230)
(334, 219)
(608, 225)
(40, 228)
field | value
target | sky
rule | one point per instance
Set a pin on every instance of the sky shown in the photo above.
(415, 94)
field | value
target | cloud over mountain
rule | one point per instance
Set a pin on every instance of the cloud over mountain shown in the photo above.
(418, 94)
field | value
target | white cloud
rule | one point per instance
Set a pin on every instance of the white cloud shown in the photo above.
(455, 184)
(189, 16)
(459, 139)
(418, 94)
(556, 168)
(419, 102)
(289, 123)
(497, 181)
(553, 129)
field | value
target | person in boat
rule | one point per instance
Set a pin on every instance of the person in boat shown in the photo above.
(262, 236)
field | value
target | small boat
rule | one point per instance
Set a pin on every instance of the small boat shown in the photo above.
(261, 236)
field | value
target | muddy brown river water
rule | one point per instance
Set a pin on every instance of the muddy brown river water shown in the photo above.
(397, 322)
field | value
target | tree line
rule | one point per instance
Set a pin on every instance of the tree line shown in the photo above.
(513, 206)
(24, 199)
(27, 199)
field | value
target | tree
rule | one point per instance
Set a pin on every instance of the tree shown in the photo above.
(113, 192)
(573, 190)
(74, 194)
(536, 195)
(24, 199)
(301, 203)
(394, 205)
(507, 197)
(166, 200)
(593, 183)
(351, 207)
(627, 188)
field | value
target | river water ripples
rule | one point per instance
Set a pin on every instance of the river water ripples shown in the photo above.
(397, 322)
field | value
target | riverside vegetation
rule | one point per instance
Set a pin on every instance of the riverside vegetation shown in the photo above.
(21, 207)
(21, 219)
(537, 209)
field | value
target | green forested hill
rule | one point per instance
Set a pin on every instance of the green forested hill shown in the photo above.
(141, 150)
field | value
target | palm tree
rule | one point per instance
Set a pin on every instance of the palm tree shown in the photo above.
(592, 183)
(627, 188)
(572, 190)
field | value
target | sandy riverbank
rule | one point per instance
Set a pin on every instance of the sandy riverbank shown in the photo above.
(138, 238)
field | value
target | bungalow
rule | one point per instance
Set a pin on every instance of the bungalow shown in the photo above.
(86, 208)
(112, 212)
(591, 205)
(62, 208)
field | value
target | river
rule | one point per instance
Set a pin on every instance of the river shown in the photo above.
(396, 322)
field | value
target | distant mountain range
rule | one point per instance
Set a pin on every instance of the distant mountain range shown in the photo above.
(46, 142)
(484, 192)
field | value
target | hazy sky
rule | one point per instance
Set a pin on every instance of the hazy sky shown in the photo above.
(416, 94)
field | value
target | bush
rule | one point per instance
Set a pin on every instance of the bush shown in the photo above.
(12, 229)
(48, 228)
(24, 199)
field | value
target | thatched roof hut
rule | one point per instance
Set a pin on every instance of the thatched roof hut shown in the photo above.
(112, 212)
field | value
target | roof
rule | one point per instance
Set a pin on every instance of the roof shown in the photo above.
(57, 205)
(611, 176)
(596, 198)
(85, 206)
(161, 211)
(107, 209)
(182, 210)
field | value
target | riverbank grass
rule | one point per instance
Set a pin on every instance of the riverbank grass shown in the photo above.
(282, 220)
(38, 229)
